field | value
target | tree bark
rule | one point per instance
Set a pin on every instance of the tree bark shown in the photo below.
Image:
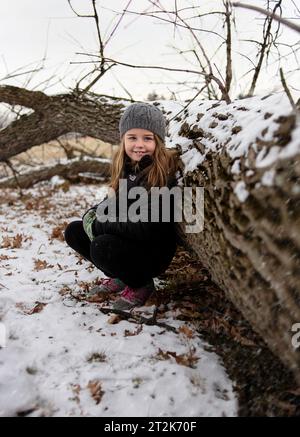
(252, 247)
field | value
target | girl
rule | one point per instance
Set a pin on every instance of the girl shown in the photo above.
(131, 253)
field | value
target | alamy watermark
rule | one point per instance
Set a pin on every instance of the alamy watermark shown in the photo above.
(160, 204)
(296, 337)
(2, 335)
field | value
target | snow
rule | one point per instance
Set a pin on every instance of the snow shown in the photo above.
(58, 348)
(235, 169)
(241, 191)
(56, 180)
(248, 113)
(268, 178)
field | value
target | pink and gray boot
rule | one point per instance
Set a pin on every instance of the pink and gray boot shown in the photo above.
(134, 297)
(108, 286)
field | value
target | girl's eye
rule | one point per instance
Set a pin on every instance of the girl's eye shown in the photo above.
(146, 138)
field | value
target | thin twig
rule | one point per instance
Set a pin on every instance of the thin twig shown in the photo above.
(263, 49)
(3, 286)
(76, 13)
(188, 104)
(184, 26)
(96, 18)
(118, 23)
(228, 46)
(286, 89)
(139, 319)
(9, 164)
(207, 76)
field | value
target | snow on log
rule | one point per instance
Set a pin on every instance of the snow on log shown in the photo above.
(246, 155)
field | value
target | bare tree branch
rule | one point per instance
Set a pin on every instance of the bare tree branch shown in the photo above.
(171, 21)
(228, 46)
(15, 176)
(118, 23)
(264, 46)
(76, 13)
(188, 104)
(268, 14)
(208, 76)
(286, 89)
(297, 8)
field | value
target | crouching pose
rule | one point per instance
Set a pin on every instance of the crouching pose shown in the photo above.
(131, 253)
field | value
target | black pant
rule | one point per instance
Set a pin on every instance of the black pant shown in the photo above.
(133, 262)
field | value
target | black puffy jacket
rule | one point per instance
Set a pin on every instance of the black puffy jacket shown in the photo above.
(140, 231)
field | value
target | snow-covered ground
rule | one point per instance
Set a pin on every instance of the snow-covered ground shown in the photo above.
(63, 357)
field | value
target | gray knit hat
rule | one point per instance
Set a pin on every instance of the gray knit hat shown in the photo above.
(143, 116)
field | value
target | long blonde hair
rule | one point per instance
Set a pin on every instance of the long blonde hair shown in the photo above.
(165, 164)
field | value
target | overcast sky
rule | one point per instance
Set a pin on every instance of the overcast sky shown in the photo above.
(33, 29)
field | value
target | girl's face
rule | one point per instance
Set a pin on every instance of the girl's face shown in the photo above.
(139, 142)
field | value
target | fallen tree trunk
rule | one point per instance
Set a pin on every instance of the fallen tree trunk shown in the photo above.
(246, 155)
(247, 158)
(72, 170)
(253, 250)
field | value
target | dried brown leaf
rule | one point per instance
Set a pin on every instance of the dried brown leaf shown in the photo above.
(186, 331)
(189, 359)
(114, 319)
(58, 231)
(128, 333)
(76, 389)
(37, 308)
(12, 242)
(65, 290)
(96, 391)
(41, 265)
(6, 257)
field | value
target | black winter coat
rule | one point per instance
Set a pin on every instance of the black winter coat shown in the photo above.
(155, 232)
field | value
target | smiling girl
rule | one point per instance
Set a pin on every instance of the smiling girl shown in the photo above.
(131, 253)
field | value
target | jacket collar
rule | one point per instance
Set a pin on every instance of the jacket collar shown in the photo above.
(130, 167)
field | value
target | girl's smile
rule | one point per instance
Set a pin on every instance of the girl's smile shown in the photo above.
(139, 142)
